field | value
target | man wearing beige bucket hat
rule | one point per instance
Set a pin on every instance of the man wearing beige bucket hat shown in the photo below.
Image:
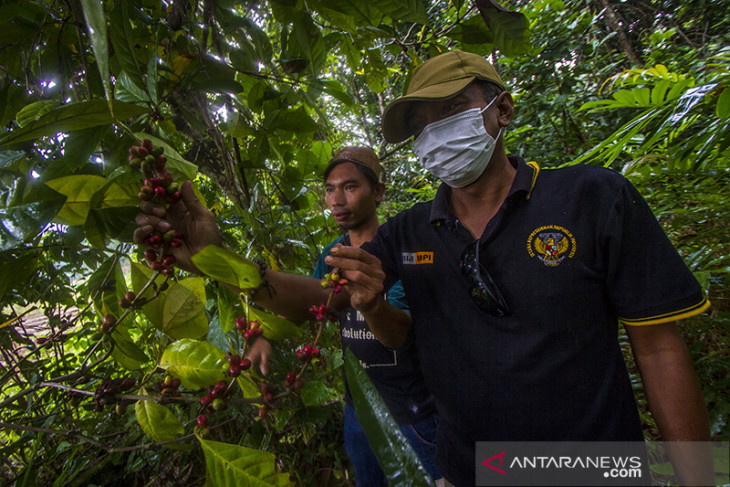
(517, 279)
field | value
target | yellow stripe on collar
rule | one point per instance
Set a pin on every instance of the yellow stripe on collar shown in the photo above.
(535, 172)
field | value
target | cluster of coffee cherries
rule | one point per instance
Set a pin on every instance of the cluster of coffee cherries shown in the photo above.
(168, 387)
(108, 388)
(158, 184)
(250, 329)
(213, 401)
(268, 394)
(323, 312)
(308, 352)
(130, 299)
(333, 281)
(237, 365)
(166, 263)
(108, 322)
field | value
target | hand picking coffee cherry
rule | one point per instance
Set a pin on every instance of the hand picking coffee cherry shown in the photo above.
(158, 185)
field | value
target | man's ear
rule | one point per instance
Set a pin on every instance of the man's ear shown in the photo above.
(506, 106)
(379, 192)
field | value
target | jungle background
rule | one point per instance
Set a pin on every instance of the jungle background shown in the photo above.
(249, 100)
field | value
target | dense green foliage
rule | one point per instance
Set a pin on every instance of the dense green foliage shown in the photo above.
(249, 100)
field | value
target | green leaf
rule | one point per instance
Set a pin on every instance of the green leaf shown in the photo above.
(723, 104)
(197, 364)
(96, 23)
(399, 462)
(309, 40)
(78, 189)
(117, 196)
(183, 314)
(26, 206)
(315, 392)
(227, 267)
(33, 111)
(511, 29)
(473, 32)
(249, 389)
(180, 168)
(275, 327)
(403, 10)
(125, 352)
(229, 308)
(9, 157)
(229, 465)
(295, 120)
(154, 308)
(78, 146)
(156, 420)
(122, 38)
(74, 116)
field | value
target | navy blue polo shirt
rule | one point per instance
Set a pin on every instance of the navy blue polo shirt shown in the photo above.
(573, 251)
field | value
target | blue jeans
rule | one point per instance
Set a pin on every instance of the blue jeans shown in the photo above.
(421, 435)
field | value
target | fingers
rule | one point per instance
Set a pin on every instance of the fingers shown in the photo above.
(260, 353)
(191, 201)
(146, 224)
(153, 209)
(358, 266)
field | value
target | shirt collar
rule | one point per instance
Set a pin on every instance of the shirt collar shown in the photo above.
(523, 183)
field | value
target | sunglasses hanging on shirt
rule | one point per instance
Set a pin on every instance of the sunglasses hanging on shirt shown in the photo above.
(483, 290)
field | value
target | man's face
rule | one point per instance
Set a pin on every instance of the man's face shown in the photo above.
(425, 112)
(350, 196)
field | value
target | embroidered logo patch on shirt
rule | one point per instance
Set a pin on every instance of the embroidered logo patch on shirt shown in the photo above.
(551, 245)
(414, 258)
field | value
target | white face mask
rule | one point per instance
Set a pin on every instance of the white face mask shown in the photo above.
(458, 148)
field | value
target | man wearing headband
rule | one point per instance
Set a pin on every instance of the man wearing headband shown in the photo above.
(517, 279)
(354, 187)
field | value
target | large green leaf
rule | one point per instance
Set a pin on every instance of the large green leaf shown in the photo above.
(229, 308)
(403, 10)
(180, 168)
(295, 120)
(96, 23)
(227, 267)
(399, 462)
(78, 189)
(26, 206)
(275, 327)
(122, 38)
(125, 351)
(315, 393)
(197, 364)
(229, 465)
(120, 195)
(154, 308)
(156, 420)
(74, 116)
(183, 314)
(511, 29)
(249, 389)
(33, 111)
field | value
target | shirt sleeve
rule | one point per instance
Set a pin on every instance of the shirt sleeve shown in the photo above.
(648, 282)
